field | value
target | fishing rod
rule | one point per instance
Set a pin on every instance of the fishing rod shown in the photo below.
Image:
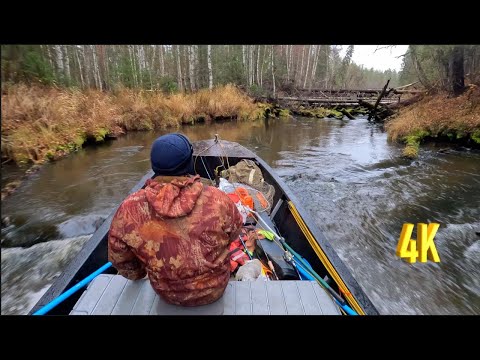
(346, 309)
(72, 290)
(307, 267)
(245, 246)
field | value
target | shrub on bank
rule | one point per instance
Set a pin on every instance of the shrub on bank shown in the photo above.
(438, 116)
(41, 122)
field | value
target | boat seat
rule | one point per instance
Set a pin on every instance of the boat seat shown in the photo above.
(115, 295)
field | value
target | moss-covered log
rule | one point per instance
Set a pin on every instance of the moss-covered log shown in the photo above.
(347, 113)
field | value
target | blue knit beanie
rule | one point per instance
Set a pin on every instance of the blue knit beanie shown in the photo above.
(172, 154)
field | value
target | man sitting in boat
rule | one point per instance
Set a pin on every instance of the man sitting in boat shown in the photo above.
(176, 230)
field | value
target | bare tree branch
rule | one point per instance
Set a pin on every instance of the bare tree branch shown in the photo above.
(383, 47)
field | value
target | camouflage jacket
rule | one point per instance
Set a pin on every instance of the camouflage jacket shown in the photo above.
(177, 231)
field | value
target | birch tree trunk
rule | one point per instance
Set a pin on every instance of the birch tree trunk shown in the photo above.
(287, 62)
(315, 64)
(152, 66)
(116, 64)
(101, 66)
(140, 62)
(290, 60)
(144, 57)
(140, 58)
(94, 63)
(157, 69)
(100, 49)
(162, 62)
(77, 49)
(297, 66)
(185, 64)
(308, 64)
(244, 63)
(98, 81)
(179, 69)
(107, 67)
(66, 63)
(186, 71)
(302, 65)
(59, 61)
(194, 65)
(86, 65)
(258, 64)
(191, 67)
(250, 63)
(273, 74)
(247, 64)
(132, 62)
(327, 55)
(209, 61)
(50, 59)
(197, 67)
(263, 63)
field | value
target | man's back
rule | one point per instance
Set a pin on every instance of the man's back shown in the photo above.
(178, 231)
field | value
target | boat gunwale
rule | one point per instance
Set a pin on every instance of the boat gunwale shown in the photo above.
(86, 255)
(325, 245)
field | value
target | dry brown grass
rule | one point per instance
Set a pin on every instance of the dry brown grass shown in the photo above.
(40, 122)
(439, 115)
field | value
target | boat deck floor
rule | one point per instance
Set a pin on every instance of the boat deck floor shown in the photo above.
(115, 295)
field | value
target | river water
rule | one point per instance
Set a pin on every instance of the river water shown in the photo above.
(354, 183)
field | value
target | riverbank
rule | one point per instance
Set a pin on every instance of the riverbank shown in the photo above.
(438, 118)
(47, 123)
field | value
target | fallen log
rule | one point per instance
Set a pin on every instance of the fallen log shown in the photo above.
(405, 86)
(347, 114)
(373, 112)
(383, 112)
(367, 91)
(406, 102)
(326, 100)
(366, 104)
(395, 91)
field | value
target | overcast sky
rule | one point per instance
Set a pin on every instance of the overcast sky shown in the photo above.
(383, 59)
